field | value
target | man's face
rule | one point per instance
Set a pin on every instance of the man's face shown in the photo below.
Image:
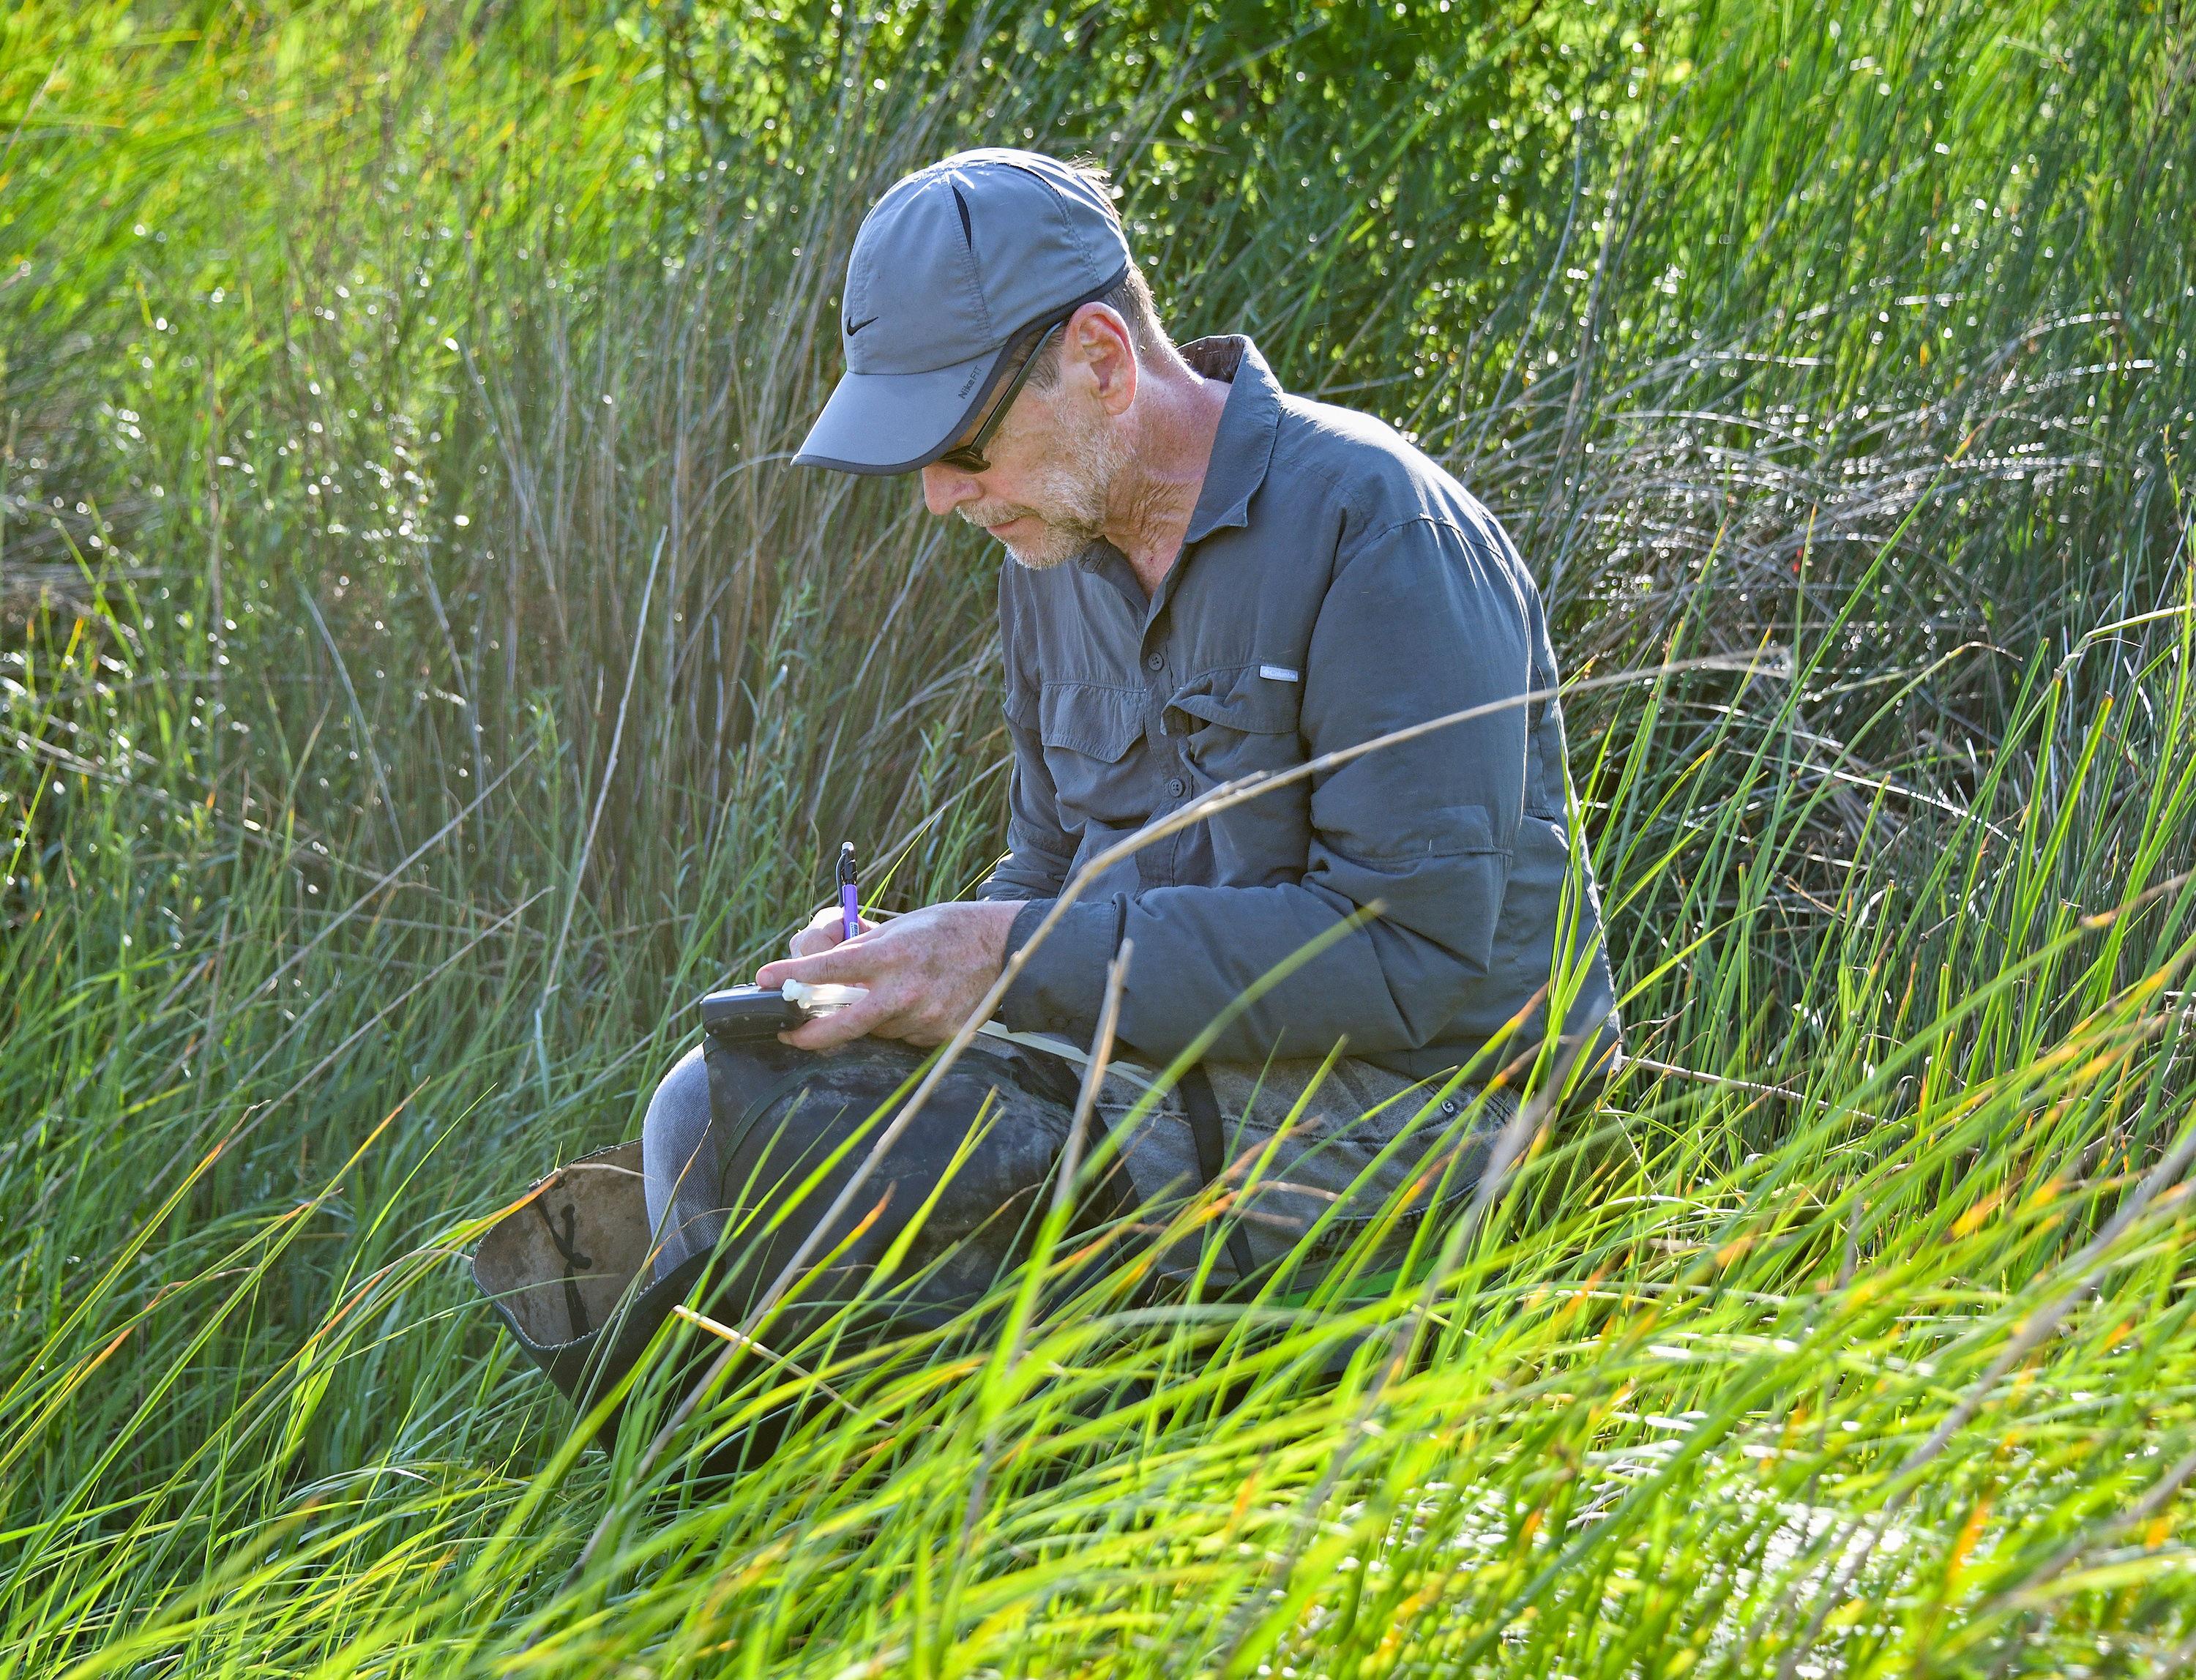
(1055, 460)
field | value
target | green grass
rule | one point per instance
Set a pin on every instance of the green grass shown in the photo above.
(345, 891)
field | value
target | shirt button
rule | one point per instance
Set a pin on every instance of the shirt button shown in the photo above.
(1175, 788)
(1155, 661)
(1089, 563)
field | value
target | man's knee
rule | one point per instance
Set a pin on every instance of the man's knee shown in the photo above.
(678, 1112)
(675, 1156)
(694, 1129)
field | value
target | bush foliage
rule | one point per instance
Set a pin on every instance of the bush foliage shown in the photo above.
(423, 675)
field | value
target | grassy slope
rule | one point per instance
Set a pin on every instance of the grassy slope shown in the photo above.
(345, 891)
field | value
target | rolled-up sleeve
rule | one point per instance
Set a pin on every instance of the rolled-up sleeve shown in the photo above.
(1423, 619)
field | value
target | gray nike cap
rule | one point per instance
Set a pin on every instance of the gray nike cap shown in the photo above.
(952, 266)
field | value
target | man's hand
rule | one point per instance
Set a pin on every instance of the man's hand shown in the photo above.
(825, 929)
(926, 973)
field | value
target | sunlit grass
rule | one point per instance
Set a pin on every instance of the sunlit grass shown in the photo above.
(1848, 1336)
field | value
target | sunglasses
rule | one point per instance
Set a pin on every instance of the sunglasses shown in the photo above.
(969, 456)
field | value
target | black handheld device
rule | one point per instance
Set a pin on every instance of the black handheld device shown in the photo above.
(750, 1012)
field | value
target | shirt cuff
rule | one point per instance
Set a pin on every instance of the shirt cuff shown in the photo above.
(1063, 985)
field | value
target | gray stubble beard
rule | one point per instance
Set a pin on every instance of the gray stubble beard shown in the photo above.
(1076, 490)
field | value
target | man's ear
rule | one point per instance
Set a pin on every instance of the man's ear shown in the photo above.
(1098, 339)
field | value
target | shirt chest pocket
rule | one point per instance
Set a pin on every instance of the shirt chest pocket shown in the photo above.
(1093, 749)
(1231, 724)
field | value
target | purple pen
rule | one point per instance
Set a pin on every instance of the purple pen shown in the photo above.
(850, 914)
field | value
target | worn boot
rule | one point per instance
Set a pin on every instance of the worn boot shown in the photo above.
(745, 1147)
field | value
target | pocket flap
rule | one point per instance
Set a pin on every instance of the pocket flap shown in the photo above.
(1242, 699)
(1099, 722)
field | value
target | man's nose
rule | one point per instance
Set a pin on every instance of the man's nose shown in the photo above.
(946, 488)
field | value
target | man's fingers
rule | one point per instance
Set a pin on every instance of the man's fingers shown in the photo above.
(815, 941)
(825, 929)
(840, 1026)
(820, 1034)
(841, 965)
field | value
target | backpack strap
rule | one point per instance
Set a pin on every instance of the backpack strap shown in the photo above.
(1205, 1131)
(792, 1082)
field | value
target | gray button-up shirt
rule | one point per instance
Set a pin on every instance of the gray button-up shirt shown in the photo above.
(1334, 585)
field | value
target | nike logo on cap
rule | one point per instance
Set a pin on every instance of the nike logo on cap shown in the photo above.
(853, 327)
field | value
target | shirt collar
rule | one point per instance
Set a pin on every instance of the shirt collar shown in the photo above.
(1243, 447)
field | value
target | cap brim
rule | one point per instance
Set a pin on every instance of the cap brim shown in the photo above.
(888, 422)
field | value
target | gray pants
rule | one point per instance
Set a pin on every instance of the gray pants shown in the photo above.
(1299, 1146)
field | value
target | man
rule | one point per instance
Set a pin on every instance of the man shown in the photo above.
(1206, 578)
